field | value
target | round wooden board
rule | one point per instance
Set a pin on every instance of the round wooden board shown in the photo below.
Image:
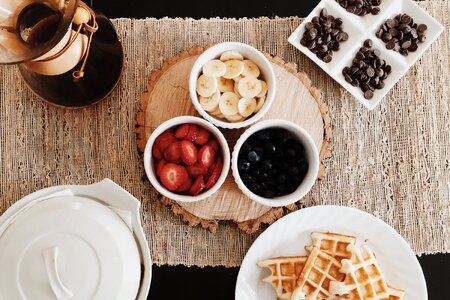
(296, 100)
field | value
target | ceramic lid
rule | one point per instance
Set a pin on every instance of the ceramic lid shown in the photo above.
(68, 247)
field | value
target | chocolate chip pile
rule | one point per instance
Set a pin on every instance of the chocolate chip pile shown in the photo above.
(368, 71)
(323, 35)
(361, 7)
(401, 34)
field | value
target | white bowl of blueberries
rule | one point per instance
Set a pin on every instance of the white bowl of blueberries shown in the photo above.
(275, 163)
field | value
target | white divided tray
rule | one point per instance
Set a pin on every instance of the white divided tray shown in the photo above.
(360, 28)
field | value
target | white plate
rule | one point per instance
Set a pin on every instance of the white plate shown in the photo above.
(289, 235)
(362, 28)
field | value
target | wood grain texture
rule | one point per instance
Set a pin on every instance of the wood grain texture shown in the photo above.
(296, 100)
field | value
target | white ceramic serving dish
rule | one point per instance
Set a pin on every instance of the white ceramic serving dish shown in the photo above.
(74, 242)
(248, 52)
(148, 157)
(362, 28)
(289, 235)
(311, 153)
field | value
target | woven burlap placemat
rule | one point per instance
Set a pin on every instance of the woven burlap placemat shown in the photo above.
(393, 162)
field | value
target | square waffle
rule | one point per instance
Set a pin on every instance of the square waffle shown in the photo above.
(395, 294)
(284, 274)
(314, 281)
(363, 279)
(332, 244)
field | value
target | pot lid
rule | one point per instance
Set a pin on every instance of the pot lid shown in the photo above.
(68, 247)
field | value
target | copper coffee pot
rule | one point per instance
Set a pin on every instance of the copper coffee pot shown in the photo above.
(68, 54)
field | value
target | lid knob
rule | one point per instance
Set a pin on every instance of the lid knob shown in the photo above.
(51, 260)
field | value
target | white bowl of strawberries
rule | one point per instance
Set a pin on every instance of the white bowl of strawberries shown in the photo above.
(186, 159)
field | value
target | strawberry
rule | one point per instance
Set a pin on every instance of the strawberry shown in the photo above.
(215, 174)
(213, 143)
(159, 166)
(202, 137)
(173, 153)
(197, 170)
(193, 132)
(182, 131)
(173, 176)
(156, 153)
(185, 186)
(206, 156)
(188, 152)
(198, 186)
(165, 140)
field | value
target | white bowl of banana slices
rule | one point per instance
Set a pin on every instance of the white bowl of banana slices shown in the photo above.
(232, 85)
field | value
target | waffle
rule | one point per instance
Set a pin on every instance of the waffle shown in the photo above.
(284, 274)
(332, 244)
(363, 279)
(320, 269)
(395, 294)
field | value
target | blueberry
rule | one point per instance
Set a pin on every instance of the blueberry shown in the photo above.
(267, 165)
(269, 194)
(282, 177)
(271, 182)
(246, 177)
(264, 186)
(283, 165)
(264, 176)
(269, 149)
(246, 147)
(274, 172)
(263, 135)
(281, 188)
(293, 171)
(297, 179)
(299, 148)
(244, 165)
(303, 167)
(281, 134)
(253, 157)
(256, 173)
(279, 153)
(255, 188)
(291, 187)
(290, 153)
(259, 150)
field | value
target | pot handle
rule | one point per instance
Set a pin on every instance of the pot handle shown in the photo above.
(50, 259)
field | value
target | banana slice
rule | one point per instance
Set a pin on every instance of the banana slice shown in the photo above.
(214, 68)
(260, 103)
(220, 116)
(206, 86)
(225, 85)
(229, 55)
(236, 90)
(246, 107)
(228, 104)
(249, 87)
(234, 68)
(210, 103)
(238, 78)
(250, 69)
(234, 118)
(263, 89)
(215, 112)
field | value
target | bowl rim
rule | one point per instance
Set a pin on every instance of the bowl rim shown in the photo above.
(214, 51)
(307, 183)
(148, 157)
